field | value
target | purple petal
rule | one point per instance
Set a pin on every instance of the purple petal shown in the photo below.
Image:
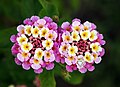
(62, 60)
(83, 70)
(100, 36)
(15, 49)
(88, 65)
(76, 19)
(98, 60)
(76, 23)
(17, 61)
(50, 66)
(19, 56)
(40, 70)
(41, 21)
(13, 38)
(26, 21)
(91, 68)
(74, 67)
(20, 27)
(69, 68)
(34, 18)
(52, 26)
(65, 25)
(36, 66)
(26, 65)
(102, 42)
(93, 26)
(68, 61)
(48, 19)
(102, 52)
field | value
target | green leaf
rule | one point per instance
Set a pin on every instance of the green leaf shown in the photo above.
(43, 13)
(49, 8)
(76, 78)
(47, 79)
(5, 35)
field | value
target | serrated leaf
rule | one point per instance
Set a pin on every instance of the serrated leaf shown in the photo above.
(47, 79)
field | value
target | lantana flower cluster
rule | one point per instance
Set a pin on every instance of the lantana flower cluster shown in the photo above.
(34, 42)
(81, 46)
(40, 43)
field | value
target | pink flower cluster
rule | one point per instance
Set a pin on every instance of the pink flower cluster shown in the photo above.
(81, 46)
(40, 43)
(34, 42)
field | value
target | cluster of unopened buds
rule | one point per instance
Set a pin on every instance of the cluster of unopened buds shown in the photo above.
(40, 43)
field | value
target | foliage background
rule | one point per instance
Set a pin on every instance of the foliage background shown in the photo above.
(104, 13)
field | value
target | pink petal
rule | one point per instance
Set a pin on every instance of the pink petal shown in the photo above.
(83, 70)
(91, 68)
(41, 21)
(35, 66)
(75, 23)
(65, 25)
(48, 19)
(98, 60)
(102, 42)
(20, 27)
(69, 68)
(15, 49)
(76, 19)
(68, 61)
(34, 18)
(40, 70)
(102, 52)
(13, 38)
(26, 65)
(50, 66)
(17, 61)
(93, 26)
(19, 56)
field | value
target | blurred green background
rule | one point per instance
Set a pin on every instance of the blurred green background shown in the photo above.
(104, 13)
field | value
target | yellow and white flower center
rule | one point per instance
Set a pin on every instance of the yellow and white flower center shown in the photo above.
(95, 55)
(35, 31)
(76, 28)
(88, 57)
(67, 38)
(48, 55)
(43, 32)
(28, 30)
(95, 47)
(38, 53)
(48, 44)
(22, 39)
(26, 47)
(75, 36)
(22, 31)
(50, 36)
(85, 34)
(25, 54)
(40, 26)
(72, 50)
(36, 61)
(70, 58)
(86, 28)
(93, 35)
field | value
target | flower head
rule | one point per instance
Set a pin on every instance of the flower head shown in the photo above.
(84, 47)
(33, 44)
